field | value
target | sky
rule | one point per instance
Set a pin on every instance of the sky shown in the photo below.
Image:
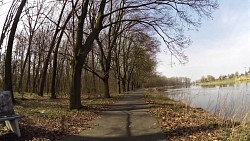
(220, 47)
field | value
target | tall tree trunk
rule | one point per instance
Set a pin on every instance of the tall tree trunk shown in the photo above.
(130, 73)
(20, 83)
(35, 82)
(124, 84)
(118, 74)
(8, 75)
(33, 72)
(128, 85)
(28, 77)
(77, 62)
(46, 63)
(75, 95)
(119, 85)
(93, 75)
(48, 81)
(53, 81)
(117, 64)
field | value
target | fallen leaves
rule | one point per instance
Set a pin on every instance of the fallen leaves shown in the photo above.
(51, 120)
(181, 122)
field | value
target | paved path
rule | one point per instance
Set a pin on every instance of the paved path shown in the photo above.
(127, 120)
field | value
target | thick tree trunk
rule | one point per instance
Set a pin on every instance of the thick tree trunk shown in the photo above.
(124, 85)
(81, 52)
(128, 85)
(119, 85)
(132, 86)
(75, 95)
(118, 76)
(106, 87)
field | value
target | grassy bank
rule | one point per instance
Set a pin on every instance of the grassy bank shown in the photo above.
(181, 122)
(218, 82)
(227, 81)
(51, 120)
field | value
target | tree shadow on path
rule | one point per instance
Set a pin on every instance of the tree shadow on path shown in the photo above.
(147, 137)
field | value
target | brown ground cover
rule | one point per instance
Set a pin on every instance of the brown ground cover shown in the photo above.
(47, 119)
(50, 119)
(183, 123)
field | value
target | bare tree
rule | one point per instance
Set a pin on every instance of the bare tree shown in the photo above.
(119, 31)
(82, 49)
(159, 16)
(52, 44)
(9, 19)
(53, 85)
(30, 28)
(8, 60)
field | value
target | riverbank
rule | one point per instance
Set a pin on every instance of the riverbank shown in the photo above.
(181, 122)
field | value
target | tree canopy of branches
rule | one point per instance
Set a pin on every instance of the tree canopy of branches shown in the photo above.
(73, 47)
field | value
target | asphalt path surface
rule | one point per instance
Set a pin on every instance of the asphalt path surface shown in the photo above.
(126, 120)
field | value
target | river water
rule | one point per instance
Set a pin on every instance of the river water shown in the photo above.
(228, 101)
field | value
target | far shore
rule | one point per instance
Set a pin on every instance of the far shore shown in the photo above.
(227, 81)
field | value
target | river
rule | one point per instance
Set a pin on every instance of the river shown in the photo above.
(228, 101)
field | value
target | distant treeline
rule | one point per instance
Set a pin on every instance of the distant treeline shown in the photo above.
(161, 81)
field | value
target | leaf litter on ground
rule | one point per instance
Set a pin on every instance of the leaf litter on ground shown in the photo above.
(184, 123)
(51, 120)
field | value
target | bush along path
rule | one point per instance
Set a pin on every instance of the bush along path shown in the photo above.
(184, 123)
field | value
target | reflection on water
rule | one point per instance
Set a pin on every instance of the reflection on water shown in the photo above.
(227, 101)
